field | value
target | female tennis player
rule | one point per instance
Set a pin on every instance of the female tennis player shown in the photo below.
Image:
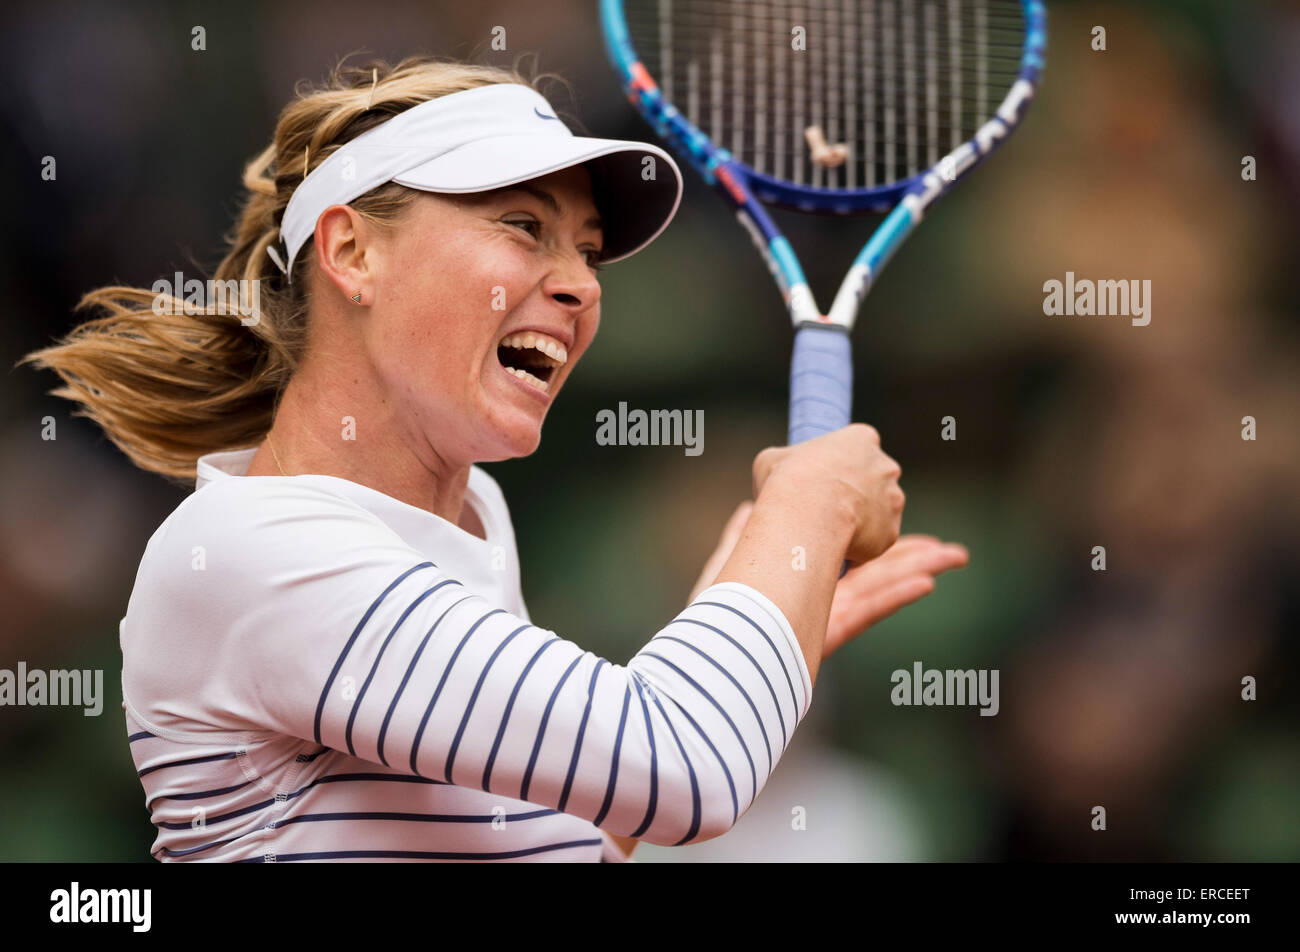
(326, 655)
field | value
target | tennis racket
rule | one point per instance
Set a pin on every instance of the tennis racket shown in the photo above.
(834, 106)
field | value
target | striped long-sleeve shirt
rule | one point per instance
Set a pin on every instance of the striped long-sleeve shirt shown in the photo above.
(314, 670)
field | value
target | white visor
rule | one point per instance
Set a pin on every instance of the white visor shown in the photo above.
(485, 138)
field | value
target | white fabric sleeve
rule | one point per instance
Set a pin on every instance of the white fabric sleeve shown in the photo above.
(313, 618)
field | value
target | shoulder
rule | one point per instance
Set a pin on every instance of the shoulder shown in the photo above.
(241, 532)
(255, 502)
(238, 561)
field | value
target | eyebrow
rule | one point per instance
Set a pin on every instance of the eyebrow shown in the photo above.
(547, 199)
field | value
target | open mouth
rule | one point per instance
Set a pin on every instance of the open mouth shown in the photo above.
(532, 357)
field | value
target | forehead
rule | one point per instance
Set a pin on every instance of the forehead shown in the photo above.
(570, 188)
(566, 193)
(573, 184)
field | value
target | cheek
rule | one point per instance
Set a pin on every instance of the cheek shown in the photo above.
(585, 332)
(457, 285)
(445, 311)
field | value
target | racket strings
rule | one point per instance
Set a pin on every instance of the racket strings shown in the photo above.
(840, 94)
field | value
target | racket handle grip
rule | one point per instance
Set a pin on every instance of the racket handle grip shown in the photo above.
(821, 381)
(821, 384)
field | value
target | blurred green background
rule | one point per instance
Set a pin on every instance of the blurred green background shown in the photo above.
(1119, 688)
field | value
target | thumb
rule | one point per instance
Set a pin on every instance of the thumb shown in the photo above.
(736, 524)
(731, 533)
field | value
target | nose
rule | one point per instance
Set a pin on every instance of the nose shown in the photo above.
(571, 283)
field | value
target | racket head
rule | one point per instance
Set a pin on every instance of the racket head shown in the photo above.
(910, 89)
(749, 147)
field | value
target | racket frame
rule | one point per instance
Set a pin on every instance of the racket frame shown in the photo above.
(821, 371)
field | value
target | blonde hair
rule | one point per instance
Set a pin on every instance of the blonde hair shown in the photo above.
(168, 388)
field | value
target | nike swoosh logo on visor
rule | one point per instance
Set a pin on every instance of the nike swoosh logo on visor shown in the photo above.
(544, 115)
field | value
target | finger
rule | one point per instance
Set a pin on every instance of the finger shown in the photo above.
(907, 546)
(918, 543)
(948, 556)
(731, 533)
(930, 559)
(738, 518)
(851, 616)
(936, 553)
(873, 594)
(912, 539)
(904, 592)
(876, 599)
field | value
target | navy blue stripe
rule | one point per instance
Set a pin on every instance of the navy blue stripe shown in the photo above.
(757, 717)
(420, 854)
(446, 673)
(510, 704)
(374, 667)
(350, 777)
(410, 668)
(794, 698)
(200, 795)
(308, 758)
(582, 732)
(213, 820)
(473, 698)
(613, 760)
(654, 762)
(695, 784)
(735, 806)
(183, 763)
(541, 728)
(138, 735)
(753, 774)
(332, 778)
(417, 817)
(338, 664)
(198, 849)
(785, 738)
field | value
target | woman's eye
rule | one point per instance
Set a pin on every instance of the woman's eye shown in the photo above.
(530, 225)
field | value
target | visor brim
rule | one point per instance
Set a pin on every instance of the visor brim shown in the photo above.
(636, 199)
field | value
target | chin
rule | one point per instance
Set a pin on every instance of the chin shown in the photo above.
(525, 447)
(513, 441)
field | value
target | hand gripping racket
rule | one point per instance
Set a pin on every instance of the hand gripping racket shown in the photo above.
(837, 106)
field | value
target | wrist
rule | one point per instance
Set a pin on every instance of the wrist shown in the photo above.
(824, 516)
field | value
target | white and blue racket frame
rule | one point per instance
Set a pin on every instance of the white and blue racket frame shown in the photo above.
(821, 368)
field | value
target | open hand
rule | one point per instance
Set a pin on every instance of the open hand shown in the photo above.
(872, 591)
(867, 593)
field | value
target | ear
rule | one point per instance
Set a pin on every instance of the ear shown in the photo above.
(345, 250)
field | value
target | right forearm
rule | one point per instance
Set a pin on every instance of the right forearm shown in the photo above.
(791, 550)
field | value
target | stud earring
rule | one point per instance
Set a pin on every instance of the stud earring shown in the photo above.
(356, 298)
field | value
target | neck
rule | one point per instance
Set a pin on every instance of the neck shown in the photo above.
(320, 430)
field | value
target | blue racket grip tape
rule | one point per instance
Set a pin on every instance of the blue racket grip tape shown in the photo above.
(821, 384)
(821, 381)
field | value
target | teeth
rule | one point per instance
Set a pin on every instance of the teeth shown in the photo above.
(525, 376)
(542, 343)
